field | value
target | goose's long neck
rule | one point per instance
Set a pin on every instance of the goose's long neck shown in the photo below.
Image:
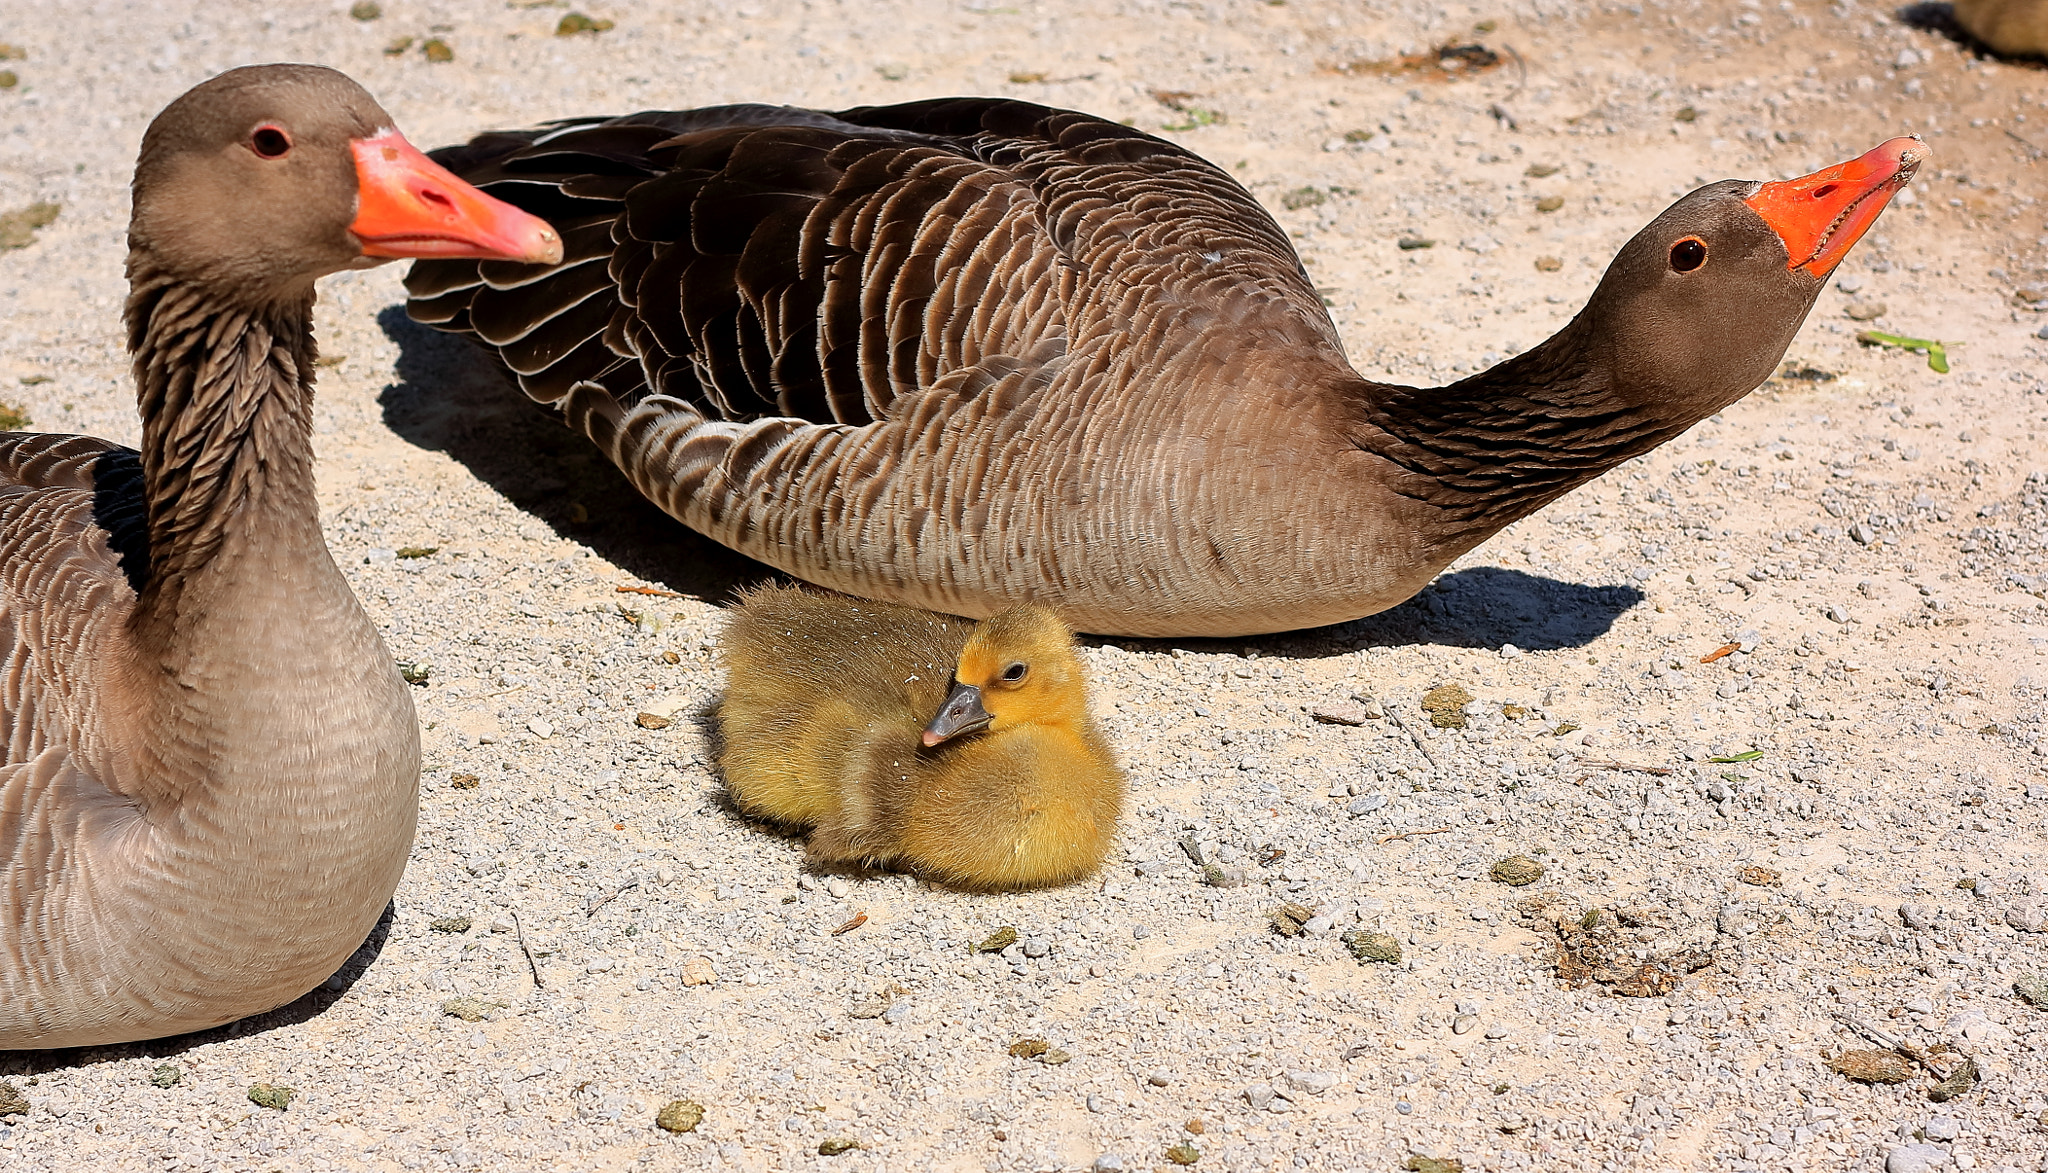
(1496, 447)
(225, 393)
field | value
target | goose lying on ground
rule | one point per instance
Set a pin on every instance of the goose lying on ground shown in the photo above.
(211, 763)
(966, 353)
(2015, 28)
(901, 738)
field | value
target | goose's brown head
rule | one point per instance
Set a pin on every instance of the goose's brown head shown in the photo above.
(1699, 307)
(267, 177)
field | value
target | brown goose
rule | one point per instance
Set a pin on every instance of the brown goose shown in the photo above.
(211, 764)
(2014, 28)
(965, 353)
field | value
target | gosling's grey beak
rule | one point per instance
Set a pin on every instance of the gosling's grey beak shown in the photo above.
(962, 713)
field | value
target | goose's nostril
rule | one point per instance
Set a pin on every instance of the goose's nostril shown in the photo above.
(1823, 191)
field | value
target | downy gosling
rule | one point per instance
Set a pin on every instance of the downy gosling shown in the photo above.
(905, 739)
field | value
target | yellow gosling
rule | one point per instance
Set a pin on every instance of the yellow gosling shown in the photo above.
(901, 738)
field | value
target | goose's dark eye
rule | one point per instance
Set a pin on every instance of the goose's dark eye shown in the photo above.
(1688, 254)
(270, 142)
(1014, 673)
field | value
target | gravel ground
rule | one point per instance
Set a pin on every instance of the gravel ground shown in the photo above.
(1840, 819)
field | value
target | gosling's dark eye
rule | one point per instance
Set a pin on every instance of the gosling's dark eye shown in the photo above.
(1688, 254)
(1014, 673)
(270, 142)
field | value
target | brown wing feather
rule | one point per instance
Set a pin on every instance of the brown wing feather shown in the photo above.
(774, 262)
(71, 527)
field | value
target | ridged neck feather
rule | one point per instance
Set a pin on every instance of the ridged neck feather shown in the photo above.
(225, 392)
(1496, 447)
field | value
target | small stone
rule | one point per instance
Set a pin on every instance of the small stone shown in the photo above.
(576, 22)
(1340, 714)
(1160, 1077)
(1549, 264)
(1445, 705)
(1959, 1082)
(1916, 1158)
(651, 721)
(1872, 1066)
(449, 924)
(470, 1009)
(680, 1116)
(837, 888)
(437, 51)
(415, 672)
(1258, 1095)
(1367, 945)
(1288, 919)
(1365, 804)
(1918, 917)
(1864, 311)
(1303, 197)
(1463, 1024)
(1183, 1154)
(464, 781)
(1542, 170)
(1036, 947)
(2028, 918)
(1417, 1163)
(365, 10)
(1943, 1128)
(1029, 1048)
(1221, 877)
(277, 1096)
(697, 971)
(165, 1075)
(540, 728)
(1107, 1162)
(833, 1146)
(1516, 871)
(12, 1102)
(998, 941)
(1760, 877)
(1411, 243)
(1053, 1057)
(1550, 203)
(2032, 989)
(1314, 1083)
(1836, 613)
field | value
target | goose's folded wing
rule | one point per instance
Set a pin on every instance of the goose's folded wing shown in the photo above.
(73, 546)
(765, 262)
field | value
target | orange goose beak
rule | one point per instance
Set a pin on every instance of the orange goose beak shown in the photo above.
(1819, 216)
(410, 206)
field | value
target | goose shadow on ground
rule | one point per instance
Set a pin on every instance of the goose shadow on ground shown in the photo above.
(451, 397)
(305, 1007)
(1481, 607)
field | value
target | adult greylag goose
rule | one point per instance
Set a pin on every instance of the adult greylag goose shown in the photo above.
(2014, 28)
(212, 765)
(967, 353)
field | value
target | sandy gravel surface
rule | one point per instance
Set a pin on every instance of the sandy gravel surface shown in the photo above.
(1869, 532)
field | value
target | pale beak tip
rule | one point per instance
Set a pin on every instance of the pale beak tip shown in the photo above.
(930, 739)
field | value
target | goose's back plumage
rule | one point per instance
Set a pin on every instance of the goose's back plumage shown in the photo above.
(953, 354)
